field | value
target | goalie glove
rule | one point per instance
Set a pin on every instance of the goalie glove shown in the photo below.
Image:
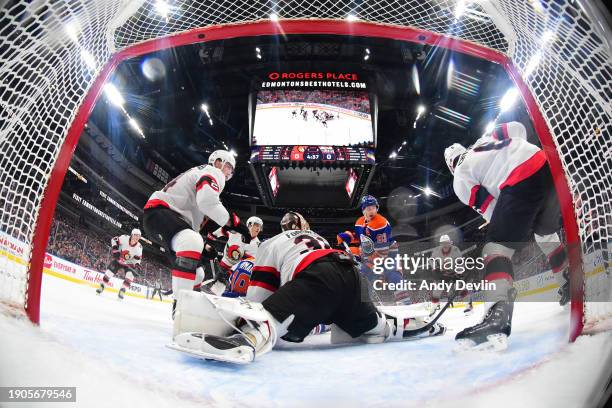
(234, 224)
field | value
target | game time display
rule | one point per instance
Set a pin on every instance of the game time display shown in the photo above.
(331, 154)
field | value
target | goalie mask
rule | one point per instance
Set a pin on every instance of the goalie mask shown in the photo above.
(294, 221)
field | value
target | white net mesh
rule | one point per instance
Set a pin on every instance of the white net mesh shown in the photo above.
(51, 52)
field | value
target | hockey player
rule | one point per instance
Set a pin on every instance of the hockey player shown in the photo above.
(187, 205)
(507, 180)
(300, 283)
(127, 255)
(445, 256)
(236, 248)
(373, 234)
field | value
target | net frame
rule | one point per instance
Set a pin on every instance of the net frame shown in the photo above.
(122, 30)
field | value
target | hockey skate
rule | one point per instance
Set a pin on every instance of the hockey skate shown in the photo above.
(100, 289)
(233, 349)
(492, 333)
(121, 293)
(469, 309)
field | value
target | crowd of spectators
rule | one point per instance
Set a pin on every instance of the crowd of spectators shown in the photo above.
(82, 246)
(355, 101)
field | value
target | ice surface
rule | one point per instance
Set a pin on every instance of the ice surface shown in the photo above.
(114, 352)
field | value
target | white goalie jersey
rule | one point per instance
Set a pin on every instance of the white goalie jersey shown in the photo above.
(194, 195)
(129, 255)
(501, 159)
(281, 258)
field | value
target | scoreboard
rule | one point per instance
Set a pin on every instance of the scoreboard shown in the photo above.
(327, 154)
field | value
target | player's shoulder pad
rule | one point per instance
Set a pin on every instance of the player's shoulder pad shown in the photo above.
(378, 222)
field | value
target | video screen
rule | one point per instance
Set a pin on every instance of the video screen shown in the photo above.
(273, 178)
(350, 182)
(313, 117)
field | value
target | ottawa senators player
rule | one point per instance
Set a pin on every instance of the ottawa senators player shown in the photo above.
(236, 249)
(301, 282)
(507, 180)
(127, 255)
(373, 234)
(186, 205)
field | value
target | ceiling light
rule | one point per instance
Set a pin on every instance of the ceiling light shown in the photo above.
(508, 100)
(113, 95)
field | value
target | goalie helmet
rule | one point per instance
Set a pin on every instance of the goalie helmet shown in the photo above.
(224, 156)
(452, 154)
(294, 221)
(254, 220)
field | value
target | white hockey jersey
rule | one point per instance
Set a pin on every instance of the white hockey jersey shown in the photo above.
(234, 243)
(501, 159)
(443, 255)
(194, 195)
(281, 258)
(129, 255)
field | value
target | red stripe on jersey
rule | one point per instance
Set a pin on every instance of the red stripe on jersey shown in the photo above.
(207, 180)
(498, 276)
(485, 203)
(525, 170)
(226, 267)
(156, 203)
(269, 269)
(311, 257)
(473, 195)
(183, 275)
(263, 285)
(189, 254)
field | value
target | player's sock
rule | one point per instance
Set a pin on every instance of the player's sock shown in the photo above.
(105, 280)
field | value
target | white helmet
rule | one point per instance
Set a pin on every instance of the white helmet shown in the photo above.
(445, 238)
(254, 220)
(136, 231)
(452, 154)
(224, 156)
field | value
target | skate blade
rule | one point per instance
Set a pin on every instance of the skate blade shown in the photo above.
(239, 358)
(494, 343)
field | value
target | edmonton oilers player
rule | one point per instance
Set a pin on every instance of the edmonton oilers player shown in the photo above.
(373, 235)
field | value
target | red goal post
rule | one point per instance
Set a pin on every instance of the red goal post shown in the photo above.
(504, 41)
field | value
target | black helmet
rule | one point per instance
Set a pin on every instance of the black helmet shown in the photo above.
(294, 221)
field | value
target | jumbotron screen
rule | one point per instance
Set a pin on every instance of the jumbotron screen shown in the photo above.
(313, 117)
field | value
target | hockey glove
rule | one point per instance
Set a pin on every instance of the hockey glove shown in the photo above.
(209, 253)
(234, 224)
(343, 237)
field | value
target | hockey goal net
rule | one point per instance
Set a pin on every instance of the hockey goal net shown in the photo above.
(55, 57)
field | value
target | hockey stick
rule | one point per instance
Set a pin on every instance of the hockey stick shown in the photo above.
(412, 333)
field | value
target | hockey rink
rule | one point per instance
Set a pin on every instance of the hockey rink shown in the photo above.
(114, 353)
(345, 129)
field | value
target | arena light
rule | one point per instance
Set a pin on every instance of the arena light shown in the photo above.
(460, 8)
(415, 79)
(450, 72)
(547, 37)
(533, 63)
(89, 59)
(113, 95)
(162, 8)
(72, 29)
(204, 108)
(508, 100)
(393, 155)
(135, 126)
(490, 127)
(351, 18)
(233, 152)
(274, 17)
